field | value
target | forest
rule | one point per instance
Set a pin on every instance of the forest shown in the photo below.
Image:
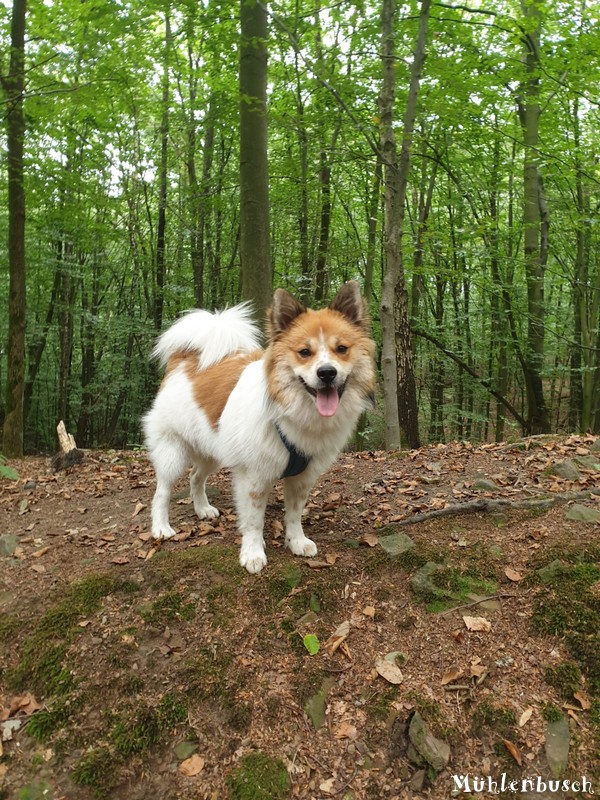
(443, 154)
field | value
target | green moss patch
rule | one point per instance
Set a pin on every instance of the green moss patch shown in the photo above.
(43, 665)
(169, 607)
(259, 777)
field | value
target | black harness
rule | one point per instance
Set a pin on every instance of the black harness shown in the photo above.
(297, 461)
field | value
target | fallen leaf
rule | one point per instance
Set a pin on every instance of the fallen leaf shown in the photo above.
(192, 766)
(513, 575)
(389, 671)
(583, 700)
(477, 623)
(451, 675)
(276, 529)
(513, 751)
(331, 558)
(23, 704)
(369, 611)
(327, 786)
(337, 637)
(525, 716)
(40, 553)
(477, 670)
(120, 560)
(315, 563)
(345, 730)
(311, 642)
(369, 539)
(138, 507)
(38, 568)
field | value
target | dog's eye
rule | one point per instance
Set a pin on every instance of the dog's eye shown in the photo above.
(341, 348)
(305, 352)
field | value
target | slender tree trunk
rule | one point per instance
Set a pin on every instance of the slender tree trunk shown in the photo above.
(535, 221)
(160, 272)
(14, 84)
(255, 243)
(396, 334)
(373, 215)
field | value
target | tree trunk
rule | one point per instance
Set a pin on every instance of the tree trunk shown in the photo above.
(159, 296)
(255, 243)
(396, 334)
(535, 221)
(14, 83)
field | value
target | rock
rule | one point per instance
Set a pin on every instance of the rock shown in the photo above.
(396, 543)
(422, 581)
(8, 544)
(484, 485)
(566, 469)
(550, 571)
(433, 751)
(29, 486)
(185, 750)
(583, 513)
(557, 746)
(417, 781)
(595, 448)
(588, 462)
(315, 705)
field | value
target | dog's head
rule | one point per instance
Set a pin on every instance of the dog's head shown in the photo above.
(321, 353)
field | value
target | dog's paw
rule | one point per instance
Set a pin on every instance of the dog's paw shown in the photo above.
(163, 532)
(253, 560)
(206, 511)
(302, 546)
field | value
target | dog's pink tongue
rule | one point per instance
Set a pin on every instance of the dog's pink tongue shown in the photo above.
(327, 401)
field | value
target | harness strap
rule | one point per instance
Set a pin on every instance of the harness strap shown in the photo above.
(297, 461)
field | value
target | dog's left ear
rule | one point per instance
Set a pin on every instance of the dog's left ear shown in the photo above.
(349, 302)
(282, 313)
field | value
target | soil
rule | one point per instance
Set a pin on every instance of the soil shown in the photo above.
(115, 651)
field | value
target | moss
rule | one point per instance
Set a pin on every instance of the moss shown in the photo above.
(96, 770)
(172, 710)
(585, 648)
(48, 721)
(168, 566)
(499, 718)
(378, 702)
(566, 678)
(9, 627)
(42, 667)
(259, 777)
(138, 732)
(170, 606)
(551, 712)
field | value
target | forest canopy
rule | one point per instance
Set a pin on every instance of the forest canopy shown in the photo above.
(131, 176)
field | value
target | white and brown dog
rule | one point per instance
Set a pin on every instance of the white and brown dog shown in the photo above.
(284, 412)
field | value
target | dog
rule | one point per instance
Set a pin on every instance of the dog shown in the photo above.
(284, 412)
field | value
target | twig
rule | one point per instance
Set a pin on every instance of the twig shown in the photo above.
(476, 603)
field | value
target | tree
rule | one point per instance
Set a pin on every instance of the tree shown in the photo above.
(14, 85)
(397, 355)
(255, 241)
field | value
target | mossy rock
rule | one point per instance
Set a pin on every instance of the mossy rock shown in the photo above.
(259, 776)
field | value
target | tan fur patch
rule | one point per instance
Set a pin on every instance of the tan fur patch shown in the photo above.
(212, 386)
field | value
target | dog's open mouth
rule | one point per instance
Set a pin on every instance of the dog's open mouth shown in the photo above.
(327, 398)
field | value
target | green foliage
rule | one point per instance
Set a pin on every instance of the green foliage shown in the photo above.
(7, 472)
(565, 677)
(96, 770)
(259, 777)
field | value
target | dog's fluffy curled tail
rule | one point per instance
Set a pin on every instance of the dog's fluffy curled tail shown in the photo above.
(212, 336)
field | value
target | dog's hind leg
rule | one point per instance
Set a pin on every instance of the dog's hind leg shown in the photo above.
(295, 493)
(251, 496)
(200, 472)
(169, 458)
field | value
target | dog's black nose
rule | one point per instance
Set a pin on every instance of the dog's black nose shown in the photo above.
(327, 373)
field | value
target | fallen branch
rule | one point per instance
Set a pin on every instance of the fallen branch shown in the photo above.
(68, 454)
(488, 505)
(475, 603)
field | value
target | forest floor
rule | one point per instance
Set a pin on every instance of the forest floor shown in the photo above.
(131, 671)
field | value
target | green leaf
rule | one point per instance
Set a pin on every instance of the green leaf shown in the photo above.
(311, 643)
(7, 472)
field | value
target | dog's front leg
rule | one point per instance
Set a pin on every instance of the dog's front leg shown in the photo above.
(251, 501)
(295, 493)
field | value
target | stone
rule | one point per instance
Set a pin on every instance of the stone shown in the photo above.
(588, 462)
(395, 544)
(583, 513)
(566, 469)
(548, 573)
(8, 544)
(422, 581)
(595, 448)
(485, 485)
(185, 750)
(315, 705)
(434, 752)
(417, 781)
(558, 738)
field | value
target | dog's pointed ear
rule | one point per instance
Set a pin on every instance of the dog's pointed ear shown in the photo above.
(283, 312)
(349, 302)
